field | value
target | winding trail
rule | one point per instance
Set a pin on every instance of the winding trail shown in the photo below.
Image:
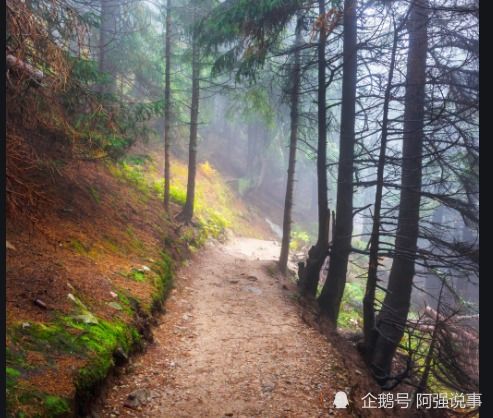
(231, 343)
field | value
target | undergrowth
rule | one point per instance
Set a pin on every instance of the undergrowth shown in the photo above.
(213, 210)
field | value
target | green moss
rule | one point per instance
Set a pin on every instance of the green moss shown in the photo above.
(45, 338)
(47, 406)
(138, 276)
(56, 406)
(125, 302)
(94, 342)
(163, 281)
(12, 373)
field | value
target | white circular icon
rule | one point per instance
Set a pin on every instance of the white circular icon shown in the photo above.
(340, 400)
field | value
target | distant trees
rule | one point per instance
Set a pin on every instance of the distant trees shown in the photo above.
(167, 105)
(295, 80)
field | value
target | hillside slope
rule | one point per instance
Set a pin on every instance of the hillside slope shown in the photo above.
(90, 263)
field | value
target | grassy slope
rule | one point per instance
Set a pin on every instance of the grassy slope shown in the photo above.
(100, 256)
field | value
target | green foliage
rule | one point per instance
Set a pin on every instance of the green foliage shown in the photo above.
(359, 244)
(212, 219)
(133, 174)
(56, 406)
(86, 70)
(177, 194)
(250, 29)
(299, 239)
(351, 313)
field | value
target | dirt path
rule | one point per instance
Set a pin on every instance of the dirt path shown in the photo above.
(231, 344)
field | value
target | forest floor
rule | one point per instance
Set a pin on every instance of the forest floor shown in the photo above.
(233, 343)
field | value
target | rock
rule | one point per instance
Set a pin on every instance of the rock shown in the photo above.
(252, 289)
(9, 246)
(120, 356)
(252, 278)
(144, 269)
(268, 387)
(26, 325)
(233, 281)
(113, 295)
(115, 305)
(228, 414)
(40, 303)
(87, 318)
(137, 398)
(130, 369)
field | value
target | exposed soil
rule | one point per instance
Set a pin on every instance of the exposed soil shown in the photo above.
(233, 343)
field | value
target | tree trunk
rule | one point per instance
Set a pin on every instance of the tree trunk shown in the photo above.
(187, 213)
(371, 284)
(288, 201)
(331, 296)
(309, 275)
(253, 138)
(107, 34)
(167, 106)
(392, 318)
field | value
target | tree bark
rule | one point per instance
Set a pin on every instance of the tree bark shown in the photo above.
(392, 318)
(187, 213)
(331, 296)
(371, 284)
(288, 201)
(107, 34)
(167, 106)
(309, 275)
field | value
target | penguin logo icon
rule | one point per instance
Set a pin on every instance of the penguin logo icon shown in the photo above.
(340, 400)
